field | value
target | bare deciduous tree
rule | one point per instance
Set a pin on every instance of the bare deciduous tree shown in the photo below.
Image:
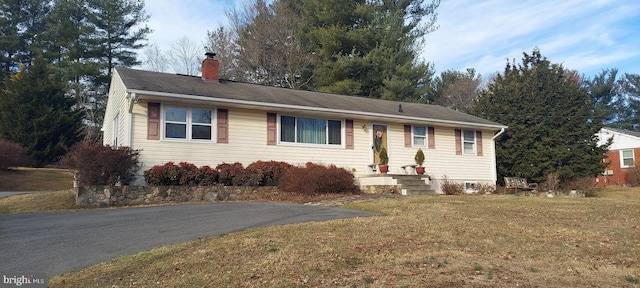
(155, 59)
(186, 57)
(223, 42)
(267, 49)
(462, 93)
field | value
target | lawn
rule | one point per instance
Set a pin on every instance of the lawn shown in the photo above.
(35, 179)
(442, 241)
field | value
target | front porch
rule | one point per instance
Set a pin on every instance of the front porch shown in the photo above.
(402, 183)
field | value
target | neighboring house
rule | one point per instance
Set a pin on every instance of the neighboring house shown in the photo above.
(207, 121)
(621, 156)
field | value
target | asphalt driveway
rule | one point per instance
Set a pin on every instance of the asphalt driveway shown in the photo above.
(51, 244)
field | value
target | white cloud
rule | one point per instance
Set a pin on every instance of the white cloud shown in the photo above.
(586, 35)
(583, 35)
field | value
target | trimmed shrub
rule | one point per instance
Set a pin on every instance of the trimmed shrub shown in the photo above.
(102, 165)
(259, 173)
(314, 179)
(207, 176)
(231, 174)
(188, 174)
(12, 155)
(184, 173)
(262, 173)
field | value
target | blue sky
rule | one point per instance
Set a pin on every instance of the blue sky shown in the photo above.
(583, 35)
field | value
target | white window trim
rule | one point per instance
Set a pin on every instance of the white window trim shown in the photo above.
(426, 137)
(343, 136)
(189, 124)
(622, 158)
(116, 124)
(475, 143)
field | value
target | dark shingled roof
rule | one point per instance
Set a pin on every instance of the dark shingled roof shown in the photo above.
(182, 85)
(624, 131)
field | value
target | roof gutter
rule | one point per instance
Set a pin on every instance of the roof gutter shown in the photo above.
(502, 130)
(307, 108)
(494, 160)
(133, 99)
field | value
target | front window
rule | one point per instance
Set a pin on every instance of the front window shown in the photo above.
(419, 136)
(469, 141)
(627, 158)
(310, 130)
(187, 123)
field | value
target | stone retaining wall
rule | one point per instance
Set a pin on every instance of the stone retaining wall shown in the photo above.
(133, 195)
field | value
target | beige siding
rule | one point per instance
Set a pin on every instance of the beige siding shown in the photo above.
(442, 161)
(248, 143)
(116, 108)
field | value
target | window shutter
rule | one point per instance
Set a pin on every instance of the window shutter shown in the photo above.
(223, 126)
(431, 137)
(479, 142)
(153, 121)
(272, 129)
(407, 136)
(348, 125)
(458, 142)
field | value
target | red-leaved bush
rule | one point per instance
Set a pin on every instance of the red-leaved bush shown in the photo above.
(12, 155)
(314, 179)
(102, 165)
(259, 173)
(262, 173)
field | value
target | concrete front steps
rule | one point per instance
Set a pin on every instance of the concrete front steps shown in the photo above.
(413, 185)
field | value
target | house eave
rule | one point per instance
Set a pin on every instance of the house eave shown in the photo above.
(154, 95)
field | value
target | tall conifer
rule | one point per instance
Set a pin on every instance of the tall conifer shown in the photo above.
(35, 112)
(549, 118)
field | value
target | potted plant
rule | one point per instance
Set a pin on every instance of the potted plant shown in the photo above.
(419, 160)
(384, 161)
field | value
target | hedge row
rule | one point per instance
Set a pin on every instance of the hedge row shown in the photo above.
(259, 173)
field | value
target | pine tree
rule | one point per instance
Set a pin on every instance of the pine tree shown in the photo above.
(35, 113)
(369, 48)
(550, 122)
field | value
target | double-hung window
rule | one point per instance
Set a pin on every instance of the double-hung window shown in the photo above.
(627, 158)
(188, 123)
(469, 141)
(419, 136)
(310, 130)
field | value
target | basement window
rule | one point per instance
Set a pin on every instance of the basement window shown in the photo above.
(470, 186)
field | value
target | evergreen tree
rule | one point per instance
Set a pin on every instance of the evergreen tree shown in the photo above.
(629, 111)
(550, 122)
(35, 113)
(365, 48)
(369, 48)
(120, 32)
(22, 23)
(604, 91)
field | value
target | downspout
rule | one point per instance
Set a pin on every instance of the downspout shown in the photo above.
(133, 99)
(495, 167)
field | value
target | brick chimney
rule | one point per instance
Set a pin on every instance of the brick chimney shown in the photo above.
(210, 68)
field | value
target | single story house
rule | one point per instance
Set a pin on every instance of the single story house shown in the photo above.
(207, 121)
(621, 155)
